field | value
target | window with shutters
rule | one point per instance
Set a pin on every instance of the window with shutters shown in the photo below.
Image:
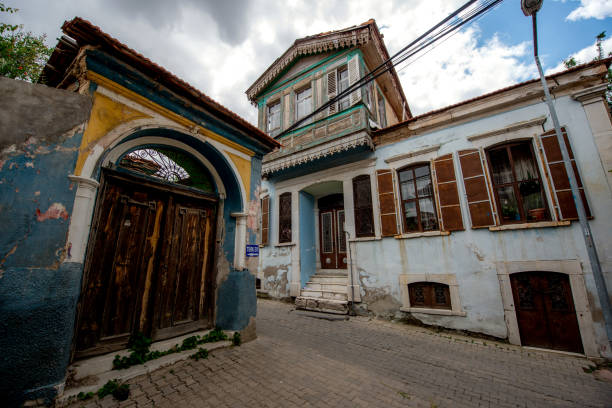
(362, 199)
(517, 185)
(560, 182)
(273, 117)
(429, 295)
(265, 220)
(417, 198)
(343, 84)
(284, 218)
(303, 103)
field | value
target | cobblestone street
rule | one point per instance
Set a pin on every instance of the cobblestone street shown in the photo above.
(299, 360)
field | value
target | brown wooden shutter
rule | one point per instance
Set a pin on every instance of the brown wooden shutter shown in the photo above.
(332, 92)
(386, 199)
(556, 169)
(477, 192)
(448, 195)
(265, 220)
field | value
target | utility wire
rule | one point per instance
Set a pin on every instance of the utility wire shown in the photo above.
(423, 41)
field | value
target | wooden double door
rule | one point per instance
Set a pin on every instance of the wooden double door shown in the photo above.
(149, 267)
(545, 311)
(332, 238)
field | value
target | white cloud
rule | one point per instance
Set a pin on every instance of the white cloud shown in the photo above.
(598, 9)
(222, 53)
(585, 55)
(459, 69)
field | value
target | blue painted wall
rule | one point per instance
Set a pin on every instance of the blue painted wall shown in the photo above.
(38, 291)
(236, 300)
(236, 296)
(308, 253)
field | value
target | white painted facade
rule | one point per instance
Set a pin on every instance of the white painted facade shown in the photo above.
(475, 263)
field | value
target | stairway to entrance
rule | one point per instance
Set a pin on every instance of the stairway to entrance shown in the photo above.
(325, 292)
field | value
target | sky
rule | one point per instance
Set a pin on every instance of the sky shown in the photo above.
(221, 47)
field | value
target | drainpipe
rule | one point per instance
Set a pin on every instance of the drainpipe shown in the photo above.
(531, 7)
(352, 304)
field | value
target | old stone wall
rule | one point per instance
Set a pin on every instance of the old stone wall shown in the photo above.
(40, 133)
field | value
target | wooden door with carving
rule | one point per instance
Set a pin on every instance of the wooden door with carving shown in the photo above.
(149, 266)
(545, 311)
(332, 238)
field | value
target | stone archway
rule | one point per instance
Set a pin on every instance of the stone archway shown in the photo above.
(151, 205)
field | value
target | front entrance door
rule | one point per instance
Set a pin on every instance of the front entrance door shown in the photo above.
(545, 311)
(149, 265)
(332, 238)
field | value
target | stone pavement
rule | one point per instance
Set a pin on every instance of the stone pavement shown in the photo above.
(301, 361)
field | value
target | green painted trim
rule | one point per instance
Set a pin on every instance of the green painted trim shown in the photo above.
(291, 81)
(272, 86)
(359, 105)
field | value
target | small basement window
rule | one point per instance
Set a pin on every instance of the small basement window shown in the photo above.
(429, 295)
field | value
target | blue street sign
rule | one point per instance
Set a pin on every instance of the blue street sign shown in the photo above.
(252, 250)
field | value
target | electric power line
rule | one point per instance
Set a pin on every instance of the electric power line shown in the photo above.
(448, 25)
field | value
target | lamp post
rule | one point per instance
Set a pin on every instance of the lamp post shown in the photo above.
(530, 8)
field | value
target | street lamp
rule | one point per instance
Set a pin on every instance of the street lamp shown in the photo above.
(530, 8)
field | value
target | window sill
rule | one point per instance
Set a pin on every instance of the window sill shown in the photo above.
(422, 234)
(285, 244)
(443, 312)
(362, 239)
(529, 225)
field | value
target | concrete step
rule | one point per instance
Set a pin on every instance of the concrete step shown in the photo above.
(323, 294)
(322, 305)
(331, 287)
(329, 279)
(334, 272)
(263, 294)
(92, 373)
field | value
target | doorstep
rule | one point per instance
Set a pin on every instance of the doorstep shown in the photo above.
(92, 373)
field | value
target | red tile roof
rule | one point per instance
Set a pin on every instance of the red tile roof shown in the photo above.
(85, 33)
(607, 61)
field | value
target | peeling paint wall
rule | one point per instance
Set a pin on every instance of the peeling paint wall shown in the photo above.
(472, 257)
(277, 271)
(40, 132)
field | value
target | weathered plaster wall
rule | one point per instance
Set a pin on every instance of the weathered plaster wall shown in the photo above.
(42, 106)
(471, 255)
(274, 262)
(40, 131)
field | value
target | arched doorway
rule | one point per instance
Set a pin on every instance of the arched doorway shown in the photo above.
(545, 311)
(150, 264)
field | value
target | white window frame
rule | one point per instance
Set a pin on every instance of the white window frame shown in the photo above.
(298, 101)
(346, 100)
(269, 106)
